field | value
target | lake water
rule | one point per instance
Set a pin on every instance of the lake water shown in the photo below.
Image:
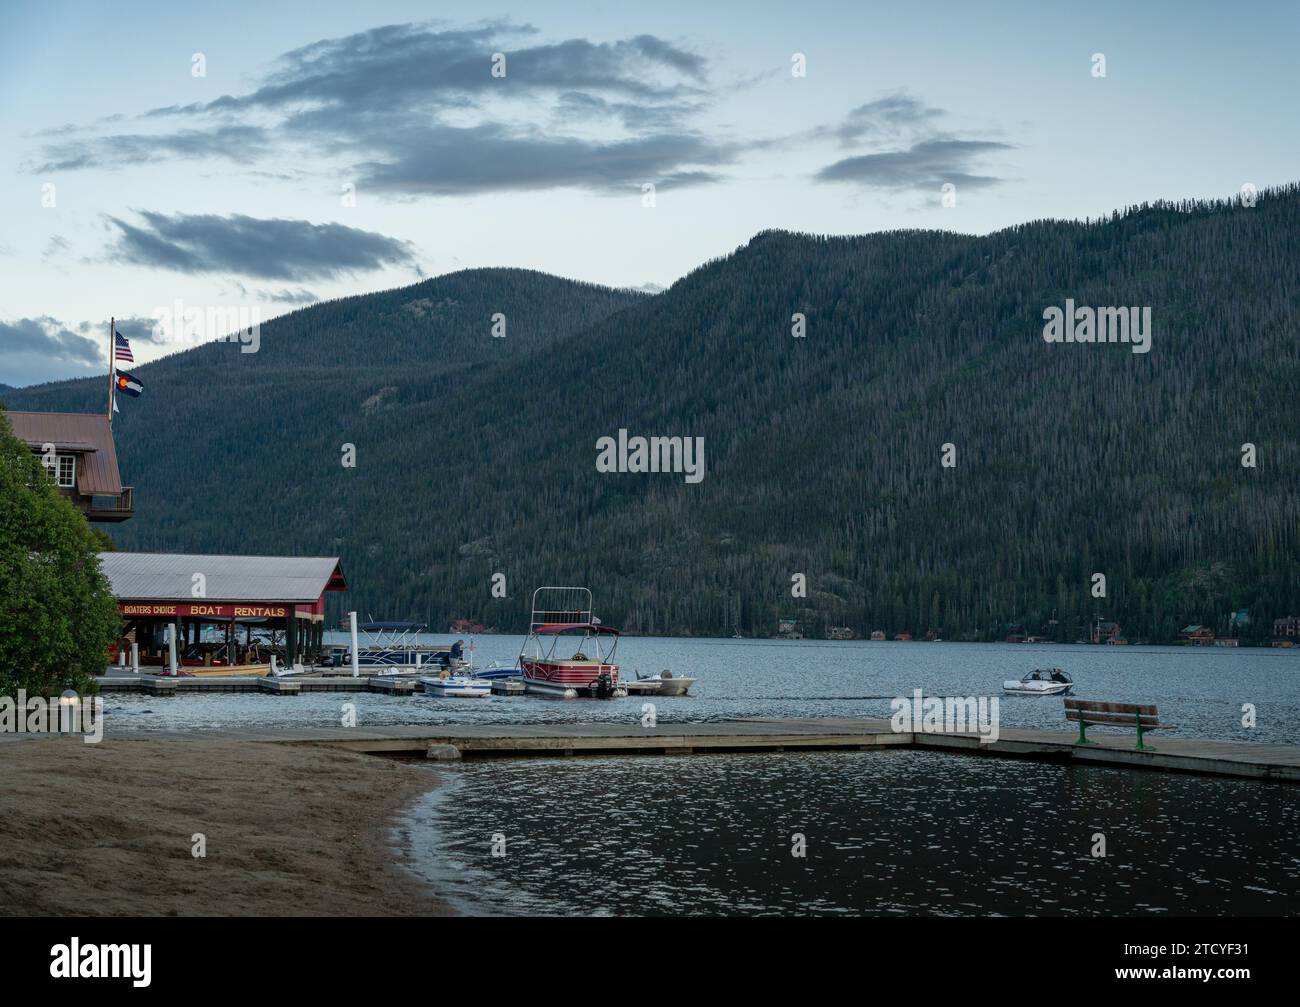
(884, 832)
(1201, 691)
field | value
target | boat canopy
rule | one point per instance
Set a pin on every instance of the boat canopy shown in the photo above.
(595, 628)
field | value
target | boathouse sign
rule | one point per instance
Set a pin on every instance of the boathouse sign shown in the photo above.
(205, 610)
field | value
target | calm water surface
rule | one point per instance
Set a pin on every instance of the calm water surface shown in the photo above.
(1201, 691)
(886, 832)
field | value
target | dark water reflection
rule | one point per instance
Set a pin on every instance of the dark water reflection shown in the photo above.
(902, 832)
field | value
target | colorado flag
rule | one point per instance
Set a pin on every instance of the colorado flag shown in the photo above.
(128, 384)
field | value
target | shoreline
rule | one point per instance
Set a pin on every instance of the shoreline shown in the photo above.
(290, 830)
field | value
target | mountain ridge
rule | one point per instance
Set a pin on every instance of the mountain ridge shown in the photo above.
(476, 455)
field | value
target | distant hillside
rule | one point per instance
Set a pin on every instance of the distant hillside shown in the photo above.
(477, 455)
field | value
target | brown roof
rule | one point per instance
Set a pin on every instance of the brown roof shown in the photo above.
(86, 434)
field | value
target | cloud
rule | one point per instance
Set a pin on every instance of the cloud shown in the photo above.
(446, 160)
(925, 165)
(49, 336)
(137, 330)
(399, 64)
(286, 296)
(236, 143)
(889, 116)
(412, 110)
(42, 349)
(271, 249)
(56, 245)
(911, 150)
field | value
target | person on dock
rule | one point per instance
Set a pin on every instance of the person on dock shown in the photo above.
(457, 654)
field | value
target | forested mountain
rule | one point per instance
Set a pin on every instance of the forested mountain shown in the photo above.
(476, 455)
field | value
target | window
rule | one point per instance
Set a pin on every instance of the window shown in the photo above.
(66, 473)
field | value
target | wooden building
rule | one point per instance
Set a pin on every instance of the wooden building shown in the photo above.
(77, 450)
(1286, 631)
(1197, 635)
(1104, 631)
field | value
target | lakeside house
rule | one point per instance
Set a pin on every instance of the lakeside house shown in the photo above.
(788, 629)
(839, 633)
(1286, 631)
(1197, 635)
(877, 634)
(1107, 632)
(78, 451)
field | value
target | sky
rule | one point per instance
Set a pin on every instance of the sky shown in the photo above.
(158, 158)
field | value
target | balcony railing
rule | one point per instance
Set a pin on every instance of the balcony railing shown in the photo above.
(112, 508)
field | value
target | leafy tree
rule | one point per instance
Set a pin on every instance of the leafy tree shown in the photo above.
(57, 614)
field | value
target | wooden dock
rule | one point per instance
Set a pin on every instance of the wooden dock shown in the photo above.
(165, 685)
(1218, 758)
(1169, 751)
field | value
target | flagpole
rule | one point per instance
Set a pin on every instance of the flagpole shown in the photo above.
(112, 364)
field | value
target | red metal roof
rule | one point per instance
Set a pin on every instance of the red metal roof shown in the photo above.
(570, 627)
(87, 435)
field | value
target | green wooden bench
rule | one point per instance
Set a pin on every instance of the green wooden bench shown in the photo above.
(1086, 712)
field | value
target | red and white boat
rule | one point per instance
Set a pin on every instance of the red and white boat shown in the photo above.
(562, 615)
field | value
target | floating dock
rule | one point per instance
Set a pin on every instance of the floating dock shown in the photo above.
(1217, 758)
(288, 685)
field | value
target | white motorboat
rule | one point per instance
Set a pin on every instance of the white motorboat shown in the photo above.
(1040, 682)
(664, 683)
(455, 686)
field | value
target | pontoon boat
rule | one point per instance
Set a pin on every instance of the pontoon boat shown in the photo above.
(566, 611)
(391, 648)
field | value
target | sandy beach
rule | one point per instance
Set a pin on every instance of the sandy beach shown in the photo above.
(106, 829)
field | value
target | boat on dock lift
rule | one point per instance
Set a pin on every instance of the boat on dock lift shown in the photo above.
(560, 612)
(391, 648)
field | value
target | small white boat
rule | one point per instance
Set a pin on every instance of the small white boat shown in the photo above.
(666, 683)
(455, 686)
(1040, 682)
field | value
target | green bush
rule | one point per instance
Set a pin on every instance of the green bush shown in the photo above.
(57, 613)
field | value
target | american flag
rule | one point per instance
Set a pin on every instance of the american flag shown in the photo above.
(122, 349)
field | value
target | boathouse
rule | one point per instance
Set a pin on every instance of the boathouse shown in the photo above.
(242, 596)
(78, 451)
(1196, 635)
